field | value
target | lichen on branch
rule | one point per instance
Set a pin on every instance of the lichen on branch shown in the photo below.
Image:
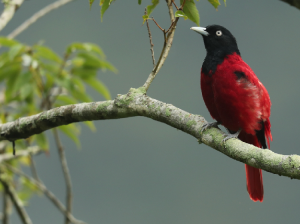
(137, 103)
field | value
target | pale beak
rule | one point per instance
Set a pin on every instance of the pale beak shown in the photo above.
(200, 30)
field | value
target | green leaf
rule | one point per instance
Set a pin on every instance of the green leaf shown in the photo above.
(15, 50)
(26, 90)
(91, 2)
(93, 48)
(78, 62)
(93, 61)
(106, 65)
(86, 47)
(216, 3)
(52, 68)
(90, 124)
(145, 17)
(24, 196)
(104, 6)
(66, 99)
(78, 84)
(28, 184)
(191, 11)
(99, 87)
(225, 3)
(71, 131)
(4, 59)
(150, 8)
(25, 160)
(42, 141)
(84, 73)
(21, 80)
(8, 70)
(9, 94)
(81, 96)
(46, 53)
(65, 82)
(90, 59)
(180, 13)
(8, 42)
(49, 81)
(140, 2)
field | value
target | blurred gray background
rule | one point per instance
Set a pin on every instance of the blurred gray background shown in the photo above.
(140, 171)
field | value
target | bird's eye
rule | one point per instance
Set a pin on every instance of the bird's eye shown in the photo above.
(219, 33)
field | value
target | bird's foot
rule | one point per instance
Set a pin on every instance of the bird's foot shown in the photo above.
(229, 136)
(209, 125)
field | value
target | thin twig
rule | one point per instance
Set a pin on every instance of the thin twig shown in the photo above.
(9, 11)
(37, 16)
(158, 25)
(171, 26)
(181, 7)
(47, 193)
(166, 48)
(33, 169)
(150, 38)
(16, 201)
(6, 207)
(66, 172)
(175, 5)
(61, 68)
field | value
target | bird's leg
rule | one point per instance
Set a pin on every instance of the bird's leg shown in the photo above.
(209, 125)
(229, 136)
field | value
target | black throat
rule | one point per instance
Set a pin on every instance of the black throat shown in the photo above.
(214, 58)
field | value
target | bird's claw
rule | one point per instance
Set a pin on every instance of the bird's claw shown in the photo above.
(230, 136)
(209, 125)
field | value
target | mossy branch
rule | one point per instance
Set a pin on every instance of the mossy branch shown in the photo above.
(137, 103)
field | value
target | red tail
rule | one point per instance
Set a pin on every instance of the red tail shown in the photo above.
(253, 175)
(255, 185)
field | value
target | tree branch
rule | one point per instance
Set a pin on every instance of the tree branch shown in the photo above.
(37, 16)
(47, 193)
(170, 8)
(65, 169)
(137, 103)
(16, 201)
(9, 11)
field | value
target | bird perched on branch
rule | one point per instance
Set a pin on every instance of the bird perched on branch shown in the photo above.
(235, 97)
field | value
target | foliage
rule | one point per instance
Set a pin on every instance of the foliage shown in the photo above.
(189, 10)
(35, 78)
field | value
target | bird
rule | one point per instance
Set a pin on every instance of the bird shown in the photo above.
(235, 97)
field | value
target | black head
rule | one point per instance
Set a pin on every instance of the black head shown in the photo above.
(217, 40)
